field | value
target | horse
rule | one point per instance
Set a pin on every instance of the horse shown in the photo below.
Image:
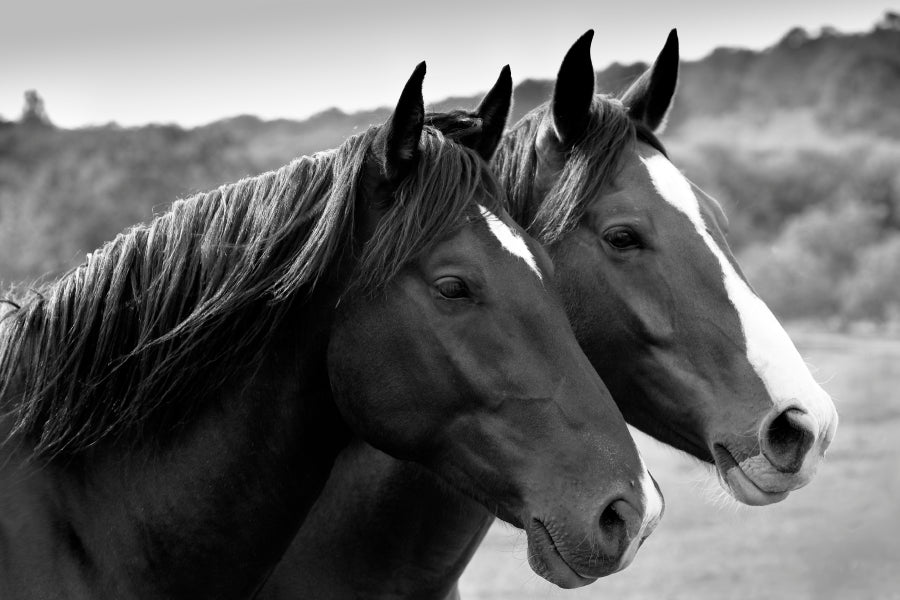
(692, 356)
(172, 407)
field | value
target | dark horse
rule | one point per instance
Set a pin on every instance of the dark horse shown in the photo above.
(656, 299)
(173, 406)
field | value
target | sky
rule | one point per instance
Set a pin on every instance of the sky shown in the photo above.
(193, 62)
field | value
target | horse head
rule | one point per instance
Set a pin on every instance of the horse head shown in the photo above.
(464, 361)
(656, 298)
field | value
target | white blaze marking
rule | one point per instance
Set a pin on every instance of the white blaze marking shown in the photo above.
(654, 499)
(510, 240)
(653, 506)
(769, 349)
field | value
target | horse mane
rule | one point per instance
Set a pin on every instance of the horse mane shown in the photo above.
(591, 167)
(132, 341)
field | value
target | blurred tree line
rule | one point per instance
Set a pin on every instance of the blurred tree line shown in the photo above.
(800, 142)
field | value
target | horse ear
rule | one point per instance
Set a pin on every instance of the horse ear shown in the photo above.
(400, 135)
(573, 92)
(650, 97)
(493, 111)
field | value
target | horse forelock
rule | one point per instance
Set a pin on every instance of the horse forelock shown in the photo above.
(591, 166)
(449, 183)
(455, 124)
(119, 341)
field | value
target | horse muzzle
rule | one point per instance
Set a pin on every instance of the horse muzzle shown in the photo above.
(790, 446)
(573, 557)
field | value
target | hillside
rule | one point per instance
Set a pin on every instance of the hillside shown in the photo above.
(799, 141)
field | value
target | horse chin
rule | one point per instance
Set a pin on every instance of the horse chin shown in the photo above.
(545, 559)
(739, 485)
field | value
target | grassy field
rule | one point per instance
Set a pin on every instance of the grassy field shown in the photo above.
(838, 538)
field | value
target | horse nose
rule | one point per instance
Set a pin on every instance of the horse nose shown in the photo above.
(786, 437)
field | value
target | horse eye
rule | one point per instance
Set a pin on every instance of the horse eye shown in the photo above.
(622, 238)
(452, 288)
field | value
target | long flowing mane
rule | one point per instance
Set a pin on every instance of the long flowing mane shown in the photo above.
(590, 168)
(131, 342)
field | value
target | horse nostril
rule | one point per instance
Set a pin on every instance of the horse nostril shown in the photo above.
(787, 439)
(621, 530)
(611, 524)
(618, 519)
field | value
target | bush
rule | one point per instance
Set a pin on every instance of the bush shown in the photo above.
(873, 290)
(790, 279)
(798, 274)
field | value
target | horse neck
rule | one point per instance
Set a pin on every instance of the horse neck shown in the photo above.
(205, 516)
(372, 499)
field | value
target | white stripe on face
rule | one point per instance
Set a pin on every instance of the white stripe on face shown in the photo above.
(654, 500)
(653, 509)
(510, 240)
(769, 349)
